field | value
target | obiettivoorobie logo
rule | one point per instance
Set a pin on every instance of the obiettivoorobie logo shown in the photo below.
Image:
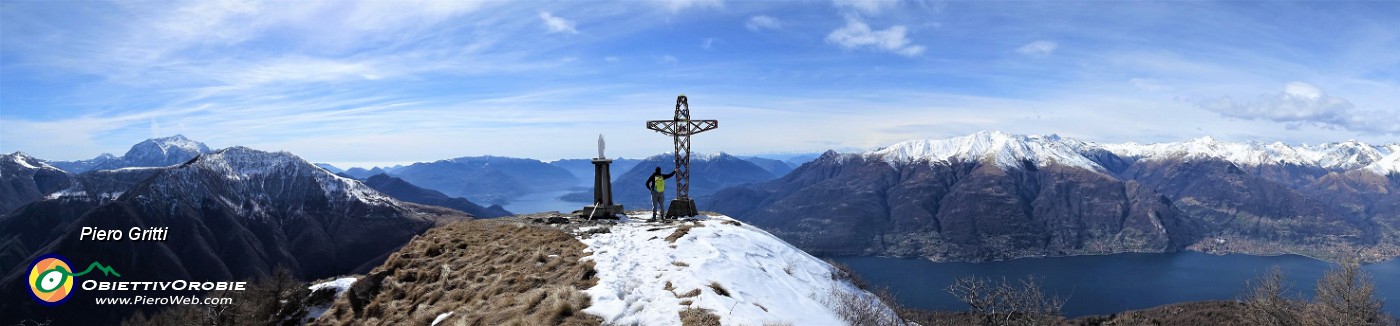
(51, 278)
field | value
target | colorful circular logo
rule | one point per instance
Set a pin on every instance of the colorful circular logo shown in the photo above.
(50, 279)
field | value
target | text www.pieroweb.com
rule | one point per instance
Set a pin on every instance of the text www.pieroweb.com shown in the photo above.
(164, 300)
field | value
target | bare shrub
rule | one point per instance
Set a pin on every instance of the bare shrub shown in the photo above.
(1008, 303)
(844, 273)
(1346, 296)
(860, 308)
(1265, 303)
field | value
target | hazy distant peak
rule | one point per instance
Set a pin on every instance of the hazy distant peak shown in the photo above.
(1338, 155)
(25, 161)
(1004, 149)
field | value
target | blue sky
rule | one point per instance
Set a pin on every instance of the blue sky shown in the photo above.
(361, 83)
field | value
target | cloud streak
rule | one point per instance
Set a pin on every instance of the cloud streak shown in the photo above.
(377, 81)
(762, 22)
(857, 34)
(1302, 103)
(556, 24)
(1039, 49)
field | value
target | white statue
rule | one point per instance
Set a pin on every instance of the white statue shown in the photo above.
(600, 147)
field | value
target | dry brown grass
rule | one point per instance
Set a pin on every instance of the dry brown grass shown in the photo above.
(719, 289)
(680, 264)
(699, 317)
(691, 294)
(681, 232)
(485, 272)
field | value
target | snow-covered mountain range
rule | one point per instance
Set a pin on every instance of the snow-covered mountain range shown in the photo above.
(164, 151)
(1010, 150)
(994, 195)
(234, 214)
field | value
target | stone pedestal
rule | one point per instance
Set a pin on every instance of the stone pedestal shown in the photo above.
(682, 207)
(603, 206)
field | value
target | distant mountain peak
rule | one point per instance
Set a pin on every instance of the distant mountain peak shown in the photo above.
(1004, 149)
(277, 175)
(1385, 166)
(1203, 140)
(1337, 155)
(26, 161)
(165, 145)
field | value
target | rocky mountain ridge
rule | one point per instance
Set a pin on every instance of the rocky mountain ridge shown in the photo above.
(994, 195)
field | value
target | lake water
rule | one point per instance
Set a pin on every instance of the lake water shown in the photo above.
(543, 202)
(1096, 285)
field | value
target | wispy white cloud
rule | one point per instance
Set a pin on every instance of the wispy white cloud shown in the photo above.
(762, 22)
(866, 6)
(1303, 103)
(1149, 84)
(382, 81)
(680, 5)
(556, 24)
(856, 34)
(1039, 48)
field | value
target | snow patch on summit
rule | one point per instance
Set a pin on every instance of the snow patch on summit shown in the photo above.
(767, 280)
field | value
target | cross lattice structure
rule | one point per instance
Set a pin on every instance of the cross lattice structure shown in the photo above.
(680, 127)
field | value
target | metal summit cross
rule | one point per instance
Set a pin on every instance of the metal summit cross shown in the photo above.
(680, 127)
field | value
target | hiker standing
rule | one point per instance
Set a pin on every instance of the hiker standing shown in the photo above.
(657, 184)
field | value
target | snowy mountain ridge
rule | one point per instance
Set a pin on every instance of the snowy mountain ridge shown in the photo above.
(1009, 150)
(25, 161)
(154, 152)
(230, 173)
(1003, 149)
(1342, 156)
(1388, 165)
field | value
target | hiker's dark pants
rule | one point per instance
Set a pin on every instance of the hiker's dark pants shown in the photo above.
(657, 204)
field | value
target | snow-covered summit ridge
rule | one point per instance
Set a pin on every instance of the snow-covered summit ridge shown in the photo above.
(1346, 155)
(240, 163)
(26, 162)
(694, 156)
(1006, 150)
(1388, 165)
(644, 279)
(1009, 150)
(23, 160)
(162, 151)
(165, 146)
(230, 173)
